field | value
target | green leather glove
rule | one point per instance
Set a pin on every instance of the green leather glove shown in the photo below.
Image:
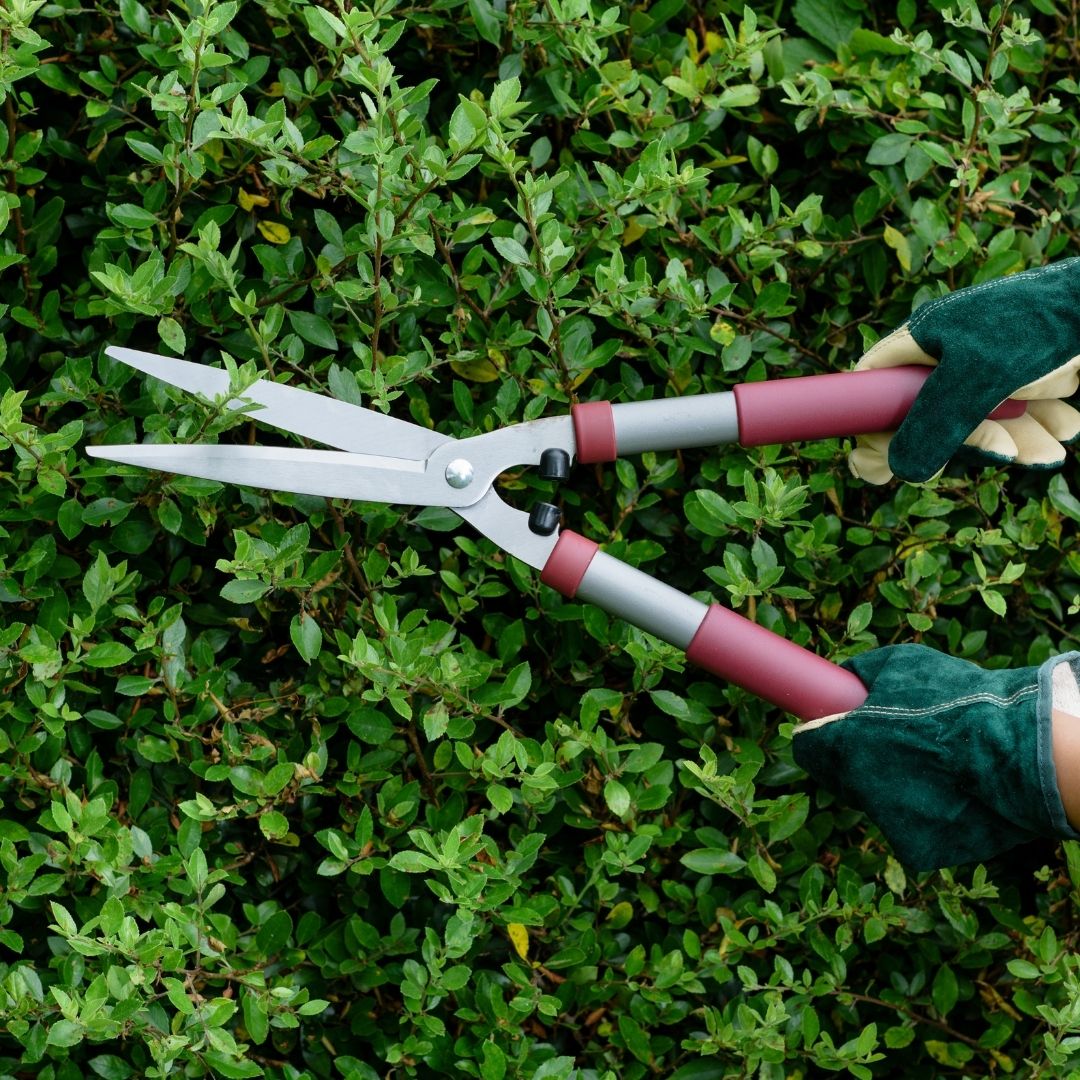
(1017, 336)
(952, 762)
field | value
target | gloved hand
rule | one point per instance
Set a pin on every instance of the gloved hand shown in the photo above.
(1016, 336)
(952, 762)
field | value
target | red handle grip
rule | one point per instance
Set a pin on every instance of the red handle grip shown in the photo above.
(715, 638)
(777, 670)
(829, 406)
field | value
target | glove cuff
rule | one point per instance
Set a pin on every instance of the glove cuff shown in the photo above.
(1058, 688)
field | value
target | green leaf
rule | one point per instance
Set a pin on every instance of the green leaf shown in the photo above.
(739, 97)
(500, 798)
(107, 654)
(829, 22)
(617, 798)
(898, 1037)
(763, 873)
(231, 1068)
(889, 149)
(713, 861)
(314, 329)
(278, 777)
(306, 636)
(172, 334)
(370, 725)
(413, 862)
(175, 992)
(670, 703)
(243, 591)
(492, 1061)
(131, 216)
(111, 916)
(65, 1033)
(138, 19)
(511, 250)
(945, 990)
(111, 1067)
(256, 1020)
(487, 22)
(1023, 969)
(467, 125)
(274, 934)
(869, 41)
(860, 618)
(273, 825)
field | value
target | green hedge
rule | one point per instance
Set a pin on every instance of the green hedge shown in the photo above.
(296, 789)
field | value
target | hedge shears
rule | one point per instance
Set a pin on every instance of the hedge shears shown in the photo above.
(379, 458)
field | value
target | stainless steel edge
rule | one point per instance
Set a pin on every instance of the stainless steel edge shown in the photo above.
(509, 528)
(290, 408)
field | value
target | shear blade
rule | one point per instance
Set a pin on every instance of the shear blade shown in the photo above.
(330, 473)
(311, 415)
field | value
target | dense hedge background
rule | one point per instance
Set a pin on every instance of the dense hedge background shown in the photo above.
(306, 790)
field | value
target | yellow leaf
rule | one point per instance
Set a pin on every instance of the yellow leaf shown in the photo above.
(1004, 1061)
(632, 231)
(691, 40)
(480, 368)
(895, 239)
(519, 938)
(275, 232)
(713, 42)
(722, 332)
(723, 162)
(247, 201)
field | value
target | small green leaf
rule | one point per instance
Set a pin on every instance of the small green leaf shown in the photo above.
(111, 1067)
(306, 636)
(617, 798)
(467, 125)
(370, 725)
(713, 861)
(244, 591)
(500, 798)
(945, 990)
(486, 20)
(511, 250)
(172, 334)
(739, 97)
(275, 933)
(174, 990)
(65, 1033)
(107, 654)
(313, 329)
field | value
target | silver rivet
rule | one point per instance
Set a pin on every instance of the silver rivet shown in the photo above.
(459, 473)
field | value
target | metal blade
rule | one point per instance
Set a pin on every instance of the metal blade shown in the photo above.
(509, 528)
(314, 416)
(331, 473)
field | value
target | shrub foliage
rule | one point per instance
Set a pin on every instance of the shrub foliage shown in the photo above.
(300, 789)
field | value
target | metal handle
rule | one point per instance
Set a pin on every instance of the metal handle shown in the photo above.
(714, 638)
(758, 414)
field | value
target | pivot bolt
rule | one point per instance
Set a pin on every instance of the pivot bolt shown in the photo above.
(544, 518)
(459, 473)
